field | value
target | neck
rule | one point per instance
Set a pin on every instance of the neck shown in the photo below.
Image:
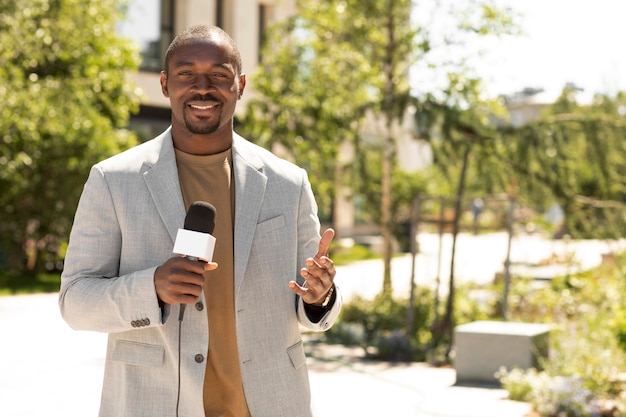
(202, 144)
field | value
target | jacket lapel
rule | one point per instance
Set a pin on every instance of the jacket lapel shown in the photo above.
(250, 184)
(161, 176)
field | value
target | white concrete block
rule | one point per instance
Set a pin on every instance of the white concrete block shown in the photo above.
(482, 347)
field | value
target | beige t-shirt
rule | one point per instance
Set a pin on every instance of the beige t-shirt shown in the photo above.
(209, 178)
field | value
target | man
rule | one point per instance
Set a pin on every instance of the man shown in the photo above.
(237, 351)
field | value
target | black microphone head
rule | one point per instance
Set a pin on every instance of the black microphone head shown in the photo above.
(200, 217)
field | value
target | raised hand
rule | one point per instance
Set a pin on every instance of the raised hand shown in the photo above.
(319, 273)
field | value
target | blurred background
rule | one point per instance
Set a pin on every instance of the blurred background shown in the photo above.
(421, 124)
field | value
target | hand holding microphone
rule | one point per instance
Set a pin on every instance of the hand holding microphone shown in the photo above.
(179, 280)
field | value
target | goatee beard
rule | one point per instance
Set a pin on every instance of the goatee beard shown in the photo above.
(201, 129)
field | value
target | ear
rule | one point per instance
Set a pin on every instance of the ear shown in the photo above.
(163, 80)
(242, 85)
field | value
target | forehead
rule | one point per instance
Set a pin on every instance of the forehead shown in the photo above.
(214, 51)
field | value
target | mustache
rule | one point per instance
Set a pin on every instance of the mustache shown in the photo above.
(202, 97)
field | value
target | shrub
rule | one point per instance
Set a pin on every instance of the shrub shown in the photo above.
(582, 375)
(379, 325)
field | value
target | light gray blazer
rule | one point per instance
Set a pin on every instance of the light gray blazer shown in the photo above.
(125, 226)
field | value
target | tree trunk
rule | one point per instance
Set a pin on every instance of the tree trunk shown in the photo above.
(448, 321)
(388, 152)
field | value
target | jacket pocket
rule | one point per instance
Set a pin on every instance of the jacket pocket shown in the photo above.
(270, 225)
(140, 354)
(296, 354)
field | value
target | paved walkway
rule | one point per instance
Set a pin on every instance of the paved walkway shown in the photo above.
(478, 259)
(47, 369)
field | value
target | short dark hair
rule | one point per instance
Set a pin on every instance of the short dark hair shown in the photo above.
(203, 32)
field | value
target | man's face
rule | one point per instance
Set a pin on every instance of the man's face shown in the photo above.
(203, 87)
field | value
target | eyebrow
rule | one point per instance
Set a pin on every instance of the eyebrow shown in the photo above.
(225, 65)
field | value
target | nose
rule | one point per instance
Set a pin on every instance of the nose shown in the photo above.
(203, 82)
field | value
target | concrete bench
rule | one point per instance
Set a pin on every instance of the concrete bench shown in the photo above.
(482, 347)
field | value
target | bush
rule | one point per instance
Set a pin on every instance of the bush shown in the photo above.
(373, 318)
(13, 283)
(583, 374)
(379, 325)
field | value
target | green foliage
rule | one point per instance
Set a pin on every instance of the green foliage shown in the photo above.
(405, 186)
(539, 163)
(518, 382)
(311, 92)
(65, 101)
(346, 254)
(552, 396)
(574, 155)
(379, 325)
(583, 373)
(11, 284)
(377, 316)
(323, 70)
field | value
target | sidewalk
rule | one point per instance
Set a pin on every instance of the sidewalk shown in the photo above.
(478, 258)
(47, 369)
(345, 385)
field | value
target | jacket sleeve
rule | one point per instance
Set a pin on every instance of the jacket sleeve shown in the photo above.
(327, 321)
(93, 295)
(309, 237)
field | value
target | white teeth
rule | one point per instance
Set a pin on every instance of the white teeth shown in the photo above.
(202, 107)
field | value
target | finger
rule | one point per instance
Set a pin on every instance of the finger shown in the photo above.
(179, 280)
(210, 266)
(297, 289)
(325, 241)
(314, 284)
(181, 263)
(308, 294)
(320, 268)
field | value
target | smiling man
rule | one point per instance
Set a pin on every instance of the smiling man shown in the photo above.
(203, 92)
(239, 351)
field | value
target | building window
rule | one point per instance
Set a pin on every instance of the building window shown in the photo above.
(149, 23)
(219, 13)
(262, 23)
(264, 17)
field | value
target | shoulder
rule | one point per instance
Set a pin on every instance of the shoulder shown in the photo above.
(147, 153)
(264, 160)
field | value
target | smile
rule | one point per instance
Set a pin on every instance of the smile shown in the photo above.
(207, 107)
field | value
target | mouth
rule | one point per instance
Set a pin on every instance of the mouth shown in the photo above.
(202, 106)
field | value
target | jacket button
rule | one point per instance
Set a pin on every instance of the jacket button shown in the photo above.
(199, 306)
(133, 323)
(199, 358)
(145, 322)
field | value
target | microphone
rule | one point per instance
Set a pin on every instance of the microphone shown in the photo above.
(194, 241)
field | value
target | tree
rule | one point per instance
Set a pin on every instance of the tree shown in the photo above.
(574, 155)
(310, 94)
(65, 102)
(337, 62)
(461, 136)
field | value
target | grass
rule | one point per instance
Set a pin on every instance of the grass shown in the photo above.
(344, 255)
(29, 284)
